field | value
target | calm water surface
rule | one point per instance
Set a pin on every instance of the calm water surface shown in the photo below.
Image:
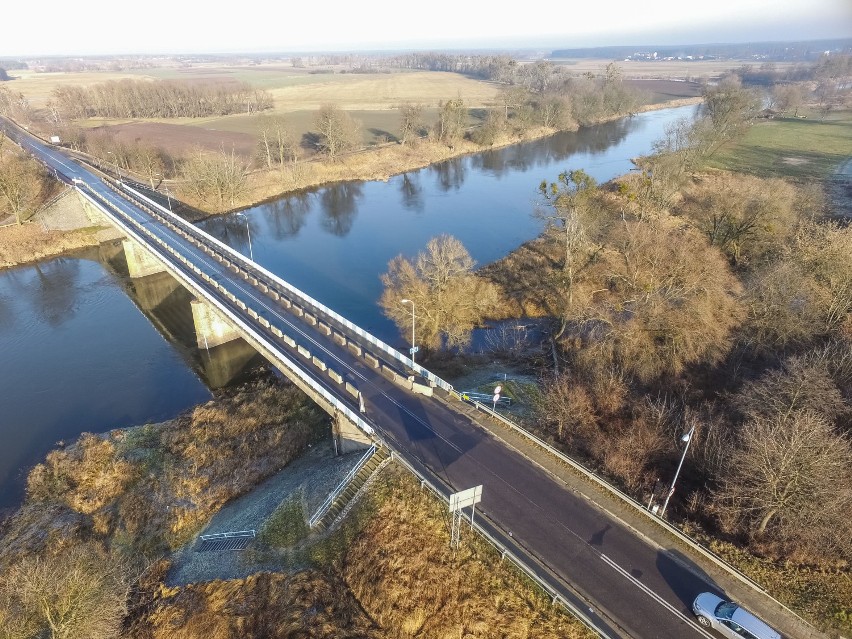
(83, 348)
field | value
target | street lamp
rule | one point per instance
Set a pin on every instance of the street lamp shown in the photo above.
(686, 437)
(169, 198)
(115, 162)
(166, 187)
(248, 232)
(413, 347)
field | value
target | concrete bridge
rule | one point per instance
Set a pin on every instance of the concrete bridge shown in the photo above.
(621, 582)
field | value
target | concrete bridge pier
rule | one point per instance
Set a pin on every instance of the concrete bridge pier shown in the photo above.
(347, 436)
(211, 329)
(140, 261)
(153, 291)
(221, 364)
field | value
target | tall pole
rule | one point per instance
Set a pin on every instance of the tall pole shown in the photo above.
(687, 438)
(115, 162)
(413, 347)
(248, 232)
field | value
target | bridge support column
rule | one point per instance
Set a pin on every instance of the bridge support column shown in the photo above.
(154, 290)
(347, 436)
(140, 262)
(211, 329)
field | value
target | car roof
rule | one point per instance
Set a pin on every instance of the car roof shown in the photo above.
(754, 625)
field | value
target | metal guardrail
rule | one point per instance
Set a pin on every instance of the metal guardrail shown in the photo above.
(326, 505)
(505, 553)
(479, 406)
(673, 530)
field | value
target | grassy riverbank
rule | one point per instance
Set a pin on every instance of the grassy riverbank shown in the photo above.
(114, 506)
(806, 148)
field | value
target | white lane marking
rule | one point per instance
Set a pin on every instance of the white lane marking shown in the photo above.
(655, 596)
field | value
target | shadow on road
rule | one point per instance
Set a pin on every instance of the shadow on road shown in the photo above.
(686, 579)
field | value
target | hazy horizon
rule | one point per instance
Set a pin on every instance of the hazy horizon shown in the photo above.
(97, 27)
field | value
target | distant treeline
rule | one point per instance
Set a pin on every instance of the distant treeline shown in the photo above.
(160, 99)
(777, 51)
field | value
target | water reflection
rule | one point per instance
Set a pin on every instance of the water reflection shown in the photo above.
(79, 356)
(528, 155)
(450, 174)
(339, 204)
(286, 217)
(412, 192)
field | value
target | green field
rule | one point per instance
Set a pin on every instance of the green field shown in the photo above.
(808, 148)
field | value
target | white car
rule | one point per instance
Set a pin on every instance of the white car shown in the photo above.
(729, 619)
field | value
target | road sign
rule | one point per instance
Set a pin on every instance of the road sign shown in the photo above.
(498, 390)
(413, 349)
(465, 498)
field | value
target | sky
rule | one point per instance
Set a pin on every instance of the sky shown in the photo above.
(87, 27)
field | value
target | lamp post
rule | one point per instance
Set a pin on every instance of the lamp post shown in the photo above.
(687, 437)
(248, 232)
(166, 187)
(413, 347)
(115, 162)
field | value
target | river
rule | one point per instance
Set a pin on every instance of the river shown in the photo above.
(83, 348)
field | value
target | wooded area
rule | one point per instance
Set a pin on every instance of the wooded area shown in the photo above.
(686, 301)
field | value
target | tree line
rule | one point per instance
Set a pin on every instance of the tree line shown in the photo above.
(160, 99)
(680, 300)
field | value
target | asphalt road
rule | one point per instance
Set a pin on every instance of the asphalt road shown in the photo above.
(635, 588)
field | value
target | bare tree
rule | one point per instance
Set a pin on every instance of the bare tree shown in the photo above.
(149, 161)
(571, 205)
(730, 109)
(337, 130)
(277, 146)
(788, 97)
(410, 121)
(449, 299)
(748, 218)
(218, 179)
(789, 479)
(452, 121)
(21, 185)
(81, 591)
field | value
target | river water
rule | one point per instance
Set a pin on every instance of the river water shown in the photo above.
(85, 348)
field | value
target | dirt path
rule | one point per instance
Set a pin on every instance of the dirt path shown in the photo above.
(314, 475)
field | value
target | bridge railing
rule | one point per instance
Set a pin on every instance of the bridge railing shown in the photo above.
(250, 331)
(339, 319)
(379, 344)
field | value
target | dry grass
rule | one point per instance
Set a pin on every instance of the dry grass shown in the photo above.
(262, 606)
(152, 487)
(822, 594)
(405, 576)
(31, 243)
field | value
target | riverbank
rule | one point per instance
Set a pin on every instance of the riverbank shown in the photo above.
(63, 227)
(114, 507)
